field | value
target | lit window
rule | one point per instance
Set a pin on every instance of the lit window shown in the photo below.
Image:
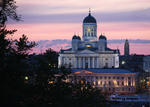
(89, 29)
(88, 46)
(101, 82)
(50, 82)
(82, 82)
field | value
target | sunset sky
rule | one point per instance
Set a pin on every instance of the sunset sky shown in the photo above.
(60, 19)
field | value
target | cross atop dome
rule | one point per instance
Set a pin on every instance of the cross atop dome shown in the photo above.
(89, 11)
(89, 18)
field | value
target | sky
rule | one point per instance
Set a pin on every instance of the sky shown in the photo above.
(60, 19)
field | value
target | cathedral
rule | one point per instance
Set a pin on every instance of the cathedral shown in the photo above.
(91, 61)
(90, 51)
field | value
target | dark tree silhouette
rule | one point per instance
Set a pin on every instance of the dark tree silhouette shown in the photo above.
(8, 10)
(48, 88)
(23, 45)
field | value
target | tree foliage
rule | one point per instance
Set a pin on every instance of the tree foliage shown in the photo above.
(8, 10)
(23, 45)
(31, 80)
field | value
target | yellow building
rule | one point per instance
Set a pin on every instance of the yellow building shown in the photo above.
(107, 80)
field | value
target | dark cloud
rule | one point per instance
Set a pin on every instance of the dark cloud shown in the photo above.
(138, 15)
(49, 43)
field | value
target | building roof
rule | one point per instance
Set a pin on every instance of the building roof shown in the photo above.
(76, 37)
(102, 37)
(89, 19)
(89, 48)
(104, 70)
(63, 50)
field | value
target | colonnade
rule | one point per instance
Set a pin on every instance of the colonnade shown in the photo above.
(86, 62)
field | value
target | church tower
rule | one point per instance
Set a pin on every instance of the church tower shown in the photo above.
(126, 48)
(89, 28)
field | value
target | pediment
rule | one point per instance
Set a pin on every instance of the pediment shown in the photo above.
(83, 72)
(86, 52)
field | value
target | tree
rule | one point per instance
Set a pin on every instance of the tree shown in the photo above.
(87, 96)
(8, 10)
(23, 46)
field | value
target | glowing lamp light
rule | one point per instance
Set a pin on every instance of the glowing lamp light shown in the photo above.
(26, 77)
(88, 46)
(123, 62)
(51, 82)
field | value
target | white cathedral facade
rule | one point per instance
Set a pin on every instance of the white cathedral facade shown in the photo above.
(87, 58)
(90, 51)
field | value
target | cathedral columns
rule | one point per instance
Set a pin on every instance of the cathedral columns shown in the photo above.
(97, 62)
(79, 62)
(83, 62)
(76, 62)
(93, 62)
(89, 62)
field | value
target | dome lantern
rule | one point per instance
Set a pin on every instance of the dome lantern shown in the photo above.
(89, 28)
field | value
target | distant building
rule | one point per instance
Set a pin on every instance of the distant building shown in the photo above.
(146, 63)
(132, 62)
(108, 80)
(92, 61)
(126, 48)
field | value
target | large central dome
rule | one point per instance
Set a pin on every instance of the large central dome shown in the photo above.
(89, 19)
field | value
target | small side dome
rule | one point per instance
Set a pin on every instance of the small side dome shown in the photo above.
(102, 37)
(74, 37)
(78, 37)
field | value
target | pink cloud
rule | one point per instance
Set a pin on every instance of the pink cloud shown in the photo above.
(129, 30)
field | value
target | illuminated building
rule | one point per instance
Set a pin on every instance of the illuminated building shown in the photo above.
(89, 52)
(146, 63)
(93, 62)
(107, 80)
